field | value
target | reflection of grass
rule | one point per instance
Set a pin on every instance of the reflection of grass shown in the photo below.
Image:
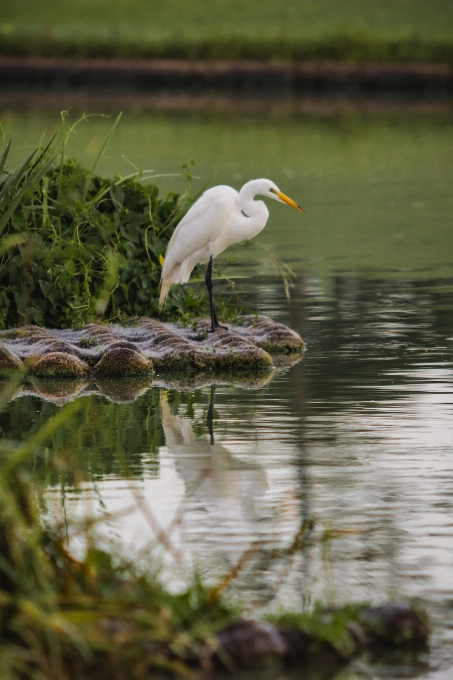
(94, 617)
(103, 438)
(414, 30)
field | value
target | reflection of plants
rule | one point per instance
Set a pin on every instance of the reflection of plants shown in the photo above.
(89, 447)
(76, 247)
(96, 617)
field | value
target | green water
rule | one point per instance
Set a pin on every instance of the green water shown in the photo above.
(377, 191)
(357, 437)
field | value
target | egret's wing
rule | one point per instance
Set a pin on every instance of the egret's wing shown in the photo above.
(201, 224)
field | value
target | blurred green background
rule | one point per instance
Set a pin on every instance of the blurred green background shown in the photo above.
(391, 30)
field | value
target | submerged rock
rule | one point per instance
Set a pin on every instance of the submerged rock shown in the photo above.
(9, 361)
(57, 390)
(394, 624)
(326, 638)
(246, 644)
(122, 390)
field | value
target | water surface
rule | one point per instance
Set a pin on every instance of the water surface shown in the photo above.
(334, 478)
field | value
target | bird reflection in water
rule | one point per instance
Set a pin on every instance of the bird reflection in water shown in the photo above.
(215, 477)
(231, 508)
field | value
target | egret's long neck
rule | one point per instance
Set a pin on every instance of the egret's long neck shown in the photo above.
(256, 211)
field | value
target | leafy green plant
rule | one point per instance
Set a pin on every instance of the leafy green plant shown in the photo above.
(76, 247)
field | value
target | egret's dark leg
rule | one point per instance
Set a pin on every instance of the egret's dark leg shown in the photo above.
(209, 285)
(210, 415)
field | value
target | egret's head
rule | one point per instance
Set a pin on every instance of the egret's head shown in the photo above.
(271, 190)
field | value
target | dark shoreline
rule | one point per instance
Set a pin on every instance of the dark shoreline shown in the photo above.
(287, 106)
(128, 76)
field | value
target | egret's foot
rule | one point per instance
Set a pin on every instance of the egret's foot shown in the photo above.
(213, 330)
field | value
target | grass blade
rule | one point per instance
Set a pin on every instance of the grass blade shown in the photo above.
(105, 142)
(32, 177)
(14, 179)
(4, 157)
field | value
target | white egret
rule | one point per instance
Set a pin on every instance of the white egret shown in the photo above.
(221, 216)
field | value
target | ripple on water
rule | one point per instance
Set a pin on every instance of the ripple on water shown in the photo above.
(332, 481)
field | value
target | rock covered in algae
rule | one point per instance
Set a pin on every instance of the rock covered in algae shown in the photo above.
(59, 365)
(395, 624)
(329, 636)
(133, 349)
(246, 643)
(9, 361)
(123, 361)
(231, 350)
(270, 336)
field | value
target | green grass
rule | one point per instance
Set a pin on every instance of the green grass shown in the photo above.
(75, 247)
(389, 30)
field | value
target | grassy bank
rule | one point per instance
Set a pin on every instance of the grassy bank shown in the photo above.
(75, 247)
(354, 30)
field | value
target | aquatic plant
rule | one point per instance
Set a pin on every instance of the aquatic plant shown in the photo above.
(75, 247)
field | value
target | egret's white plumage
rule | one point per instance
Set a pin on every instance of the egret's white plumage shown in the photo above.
(221, 216)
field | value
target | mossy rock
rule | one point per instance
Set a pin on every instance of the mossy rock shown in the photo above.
(395, 624)
(123, 361)
(274, 338)
(185, 360)
(59, 365)
(251, 358)
(9, 362)
(133, 350)
(14, 333)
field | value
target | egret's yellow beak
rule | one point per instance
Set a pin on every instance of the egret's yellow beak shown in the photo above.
(288, 200)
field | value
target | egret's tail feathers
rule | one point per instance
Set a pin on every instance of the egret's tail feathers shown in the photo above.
(179, 273)
(164, 288)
